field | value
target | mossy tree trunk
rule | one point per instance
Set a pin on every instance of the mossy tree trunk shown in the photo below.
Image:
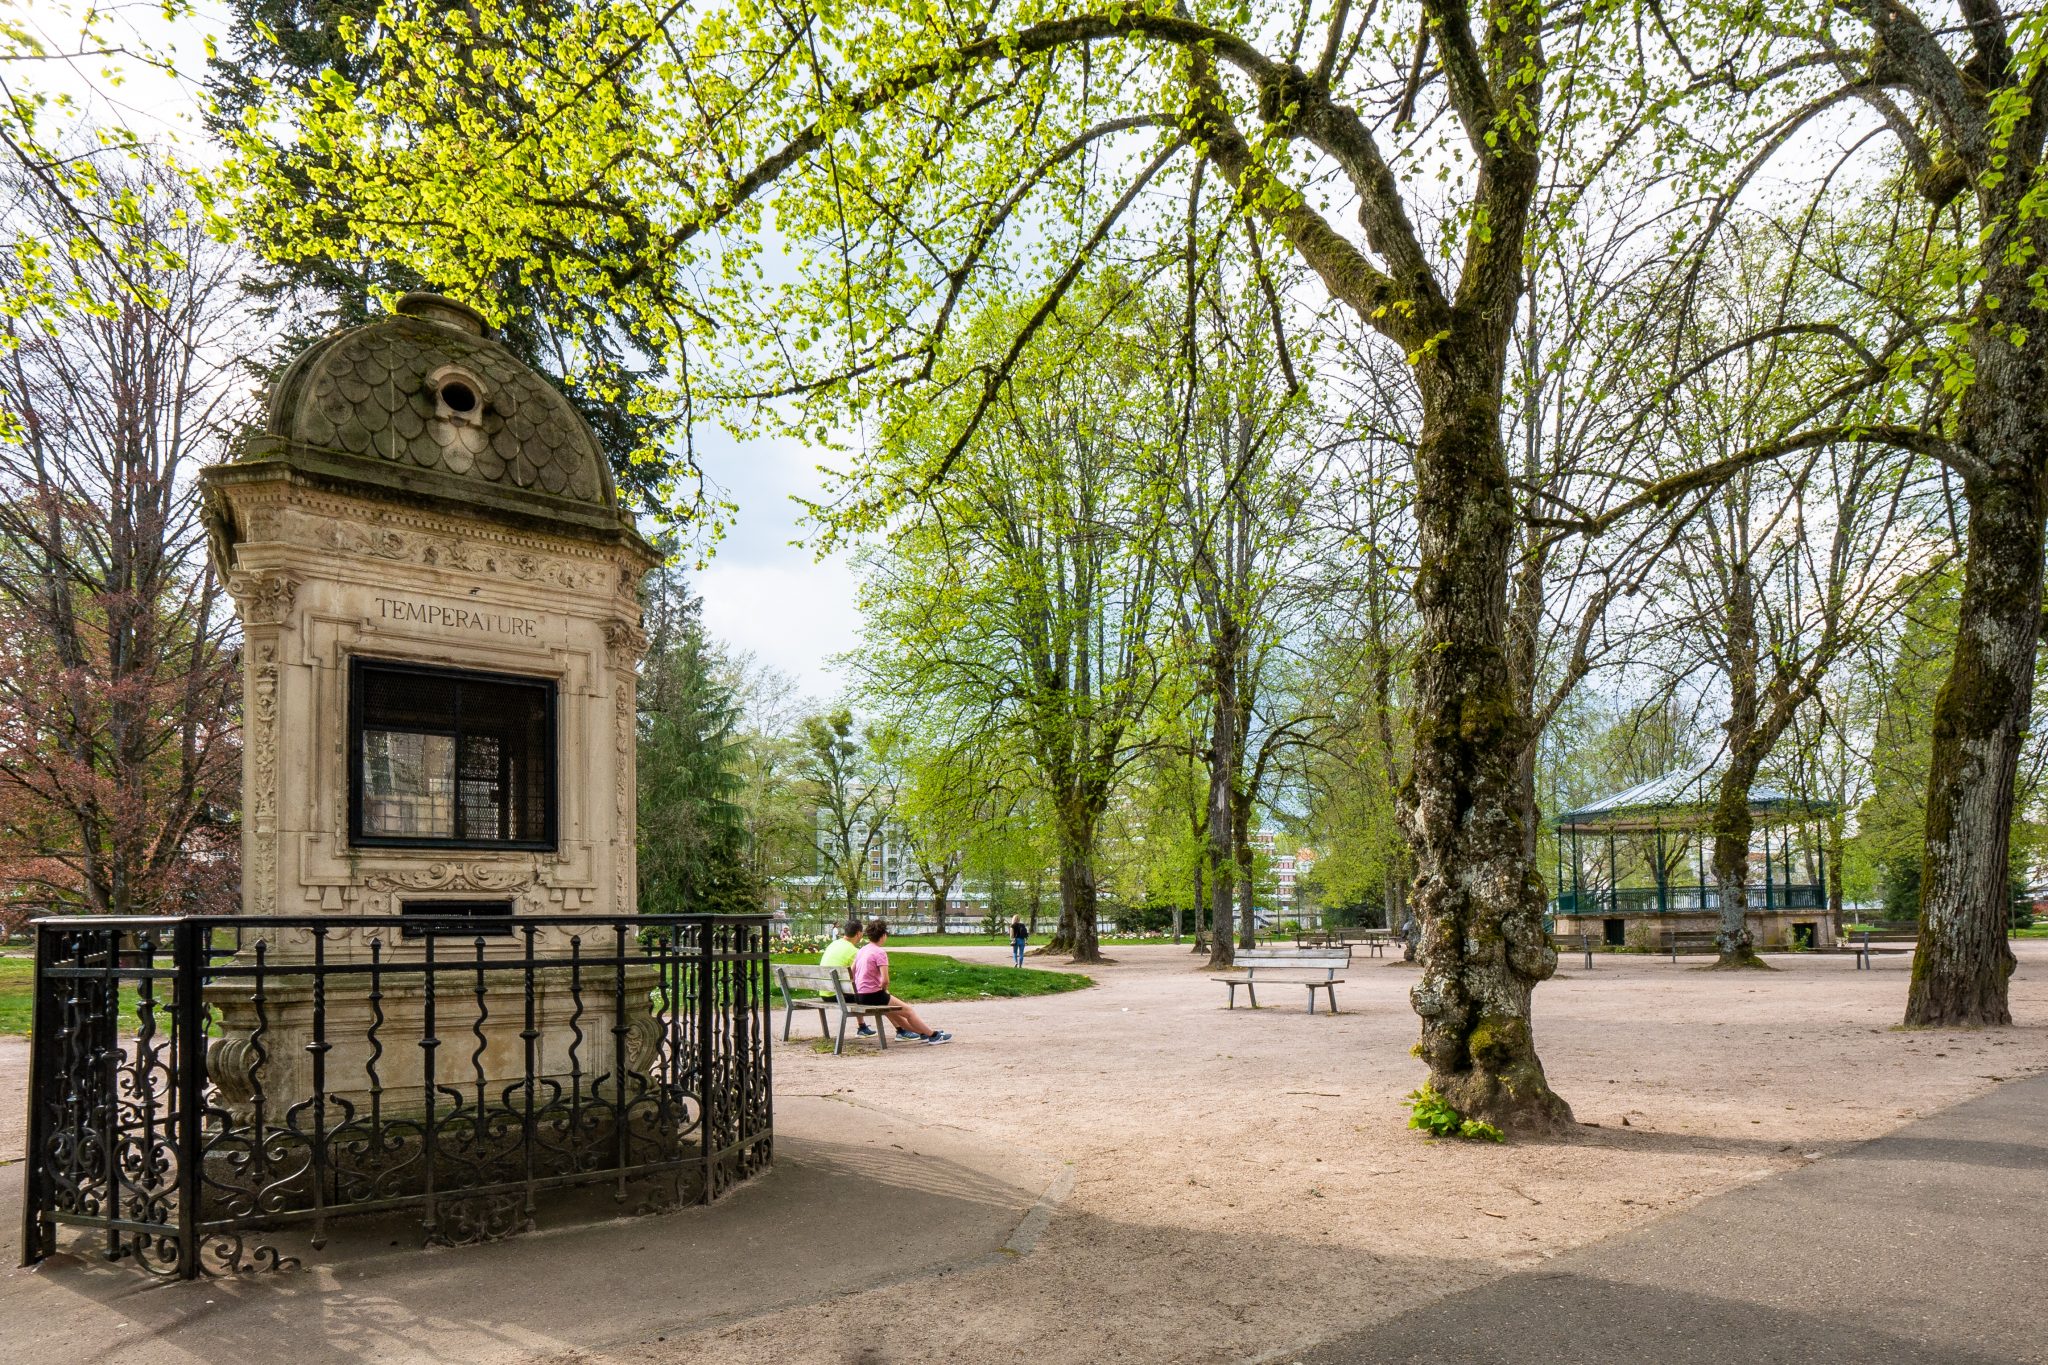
(1992, 124)
(1732, 828)
(1980, 715)
(1732, 825)
(1477, 895)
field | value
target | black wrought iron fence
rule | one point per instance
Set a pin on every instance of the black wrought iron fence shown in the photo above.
(197, 1083)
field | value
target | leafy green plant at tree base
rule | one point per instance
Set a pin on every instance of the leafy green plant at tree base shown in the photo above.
(1433, 1114)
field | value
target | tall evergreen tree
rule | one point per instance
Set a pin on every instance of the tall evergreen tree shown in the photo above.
(693, 831)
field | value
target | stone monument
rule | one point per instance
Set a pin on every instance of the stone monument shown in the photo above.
(439, 594)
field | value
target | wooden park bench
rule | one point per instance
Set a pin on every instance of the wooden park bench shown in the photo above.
(1375, 939)
(1864, 942)
(800, 987)
(1290, 965)
(1574, 943)
(1676, 941)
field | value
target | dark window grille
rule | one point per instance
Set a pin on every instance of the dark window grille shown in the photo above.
(463, 919)
(445, 758)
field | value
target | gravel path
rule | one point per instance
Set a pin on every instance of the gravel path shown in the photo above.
(1244, 1183)
(1241, 1185)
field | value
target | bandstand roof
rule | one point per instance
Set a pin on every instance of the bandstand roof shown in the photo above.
(1681, 800)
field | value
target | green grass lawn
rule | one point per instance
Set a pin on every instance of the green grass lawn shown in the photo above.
(920, 976)
(1003, 940)
(17, 975)
(913, 975)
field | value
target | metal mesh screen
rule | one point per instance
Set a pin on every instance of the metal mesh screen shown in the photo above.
(454, 758)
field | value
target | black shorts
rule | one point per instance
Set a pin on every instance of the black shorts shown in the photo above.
(870, 997)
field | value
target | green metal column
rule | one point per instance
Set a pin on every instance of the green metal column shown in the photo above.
(1575, 870)
(1767, 867)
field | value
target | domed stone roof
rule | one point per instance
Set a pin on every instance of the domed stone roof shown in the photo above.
(427, 402)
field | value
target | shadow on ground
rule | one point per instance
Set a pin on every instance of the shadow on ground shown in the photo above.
(794, 1235)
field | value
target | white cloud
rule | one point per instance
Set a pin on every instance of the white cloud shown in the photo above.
(762, 592)
(791, 614)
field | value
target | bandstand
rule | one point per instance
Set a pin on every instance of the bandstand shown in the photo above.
(1634, 868)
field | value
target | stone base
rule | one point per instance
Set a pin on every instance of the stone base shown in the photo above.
(1773, 930)
(307, 1055)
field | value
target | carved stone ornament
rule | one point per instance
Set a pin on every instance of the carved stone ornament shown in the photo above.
(453, 877)
(264, 599)
(624, 643)
(262, 796)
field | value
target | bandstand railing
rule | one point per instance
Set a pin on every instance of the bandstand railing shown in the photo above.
(1690, 899)
(205, 1089)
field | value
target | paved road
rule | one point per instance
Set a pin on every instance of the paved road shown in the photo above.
(1924, 1246)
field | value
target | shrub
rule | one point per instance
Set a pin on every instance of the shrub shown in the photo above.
(1900, 889)
(1432, 1114)
(1143, 919)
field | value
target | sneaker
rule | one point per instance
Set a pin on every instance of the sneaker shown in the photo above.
(866, 1032)
(904, 1035)
(939, 1036)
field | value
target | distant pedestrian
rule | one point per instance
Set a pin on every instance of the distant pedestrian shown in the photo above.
(1020, 937)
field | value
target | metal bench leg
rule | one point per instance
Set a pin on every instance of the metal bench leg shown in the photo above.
(1312, 998)
(824, 1025)
(882, 1027)
(1231, 986)
(1331, 991)
(839, 1043)
(788, 1013)
(1252, 990)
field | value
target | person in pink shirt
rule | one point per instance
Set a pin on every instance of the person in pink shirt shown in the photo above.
(871, 987)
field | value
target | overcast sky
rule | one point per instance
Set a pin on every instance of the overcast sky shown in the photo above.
(761, 592)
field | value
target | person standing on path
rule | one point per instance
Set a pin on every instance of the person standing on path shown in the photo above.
(1019, 937)
(871, 987)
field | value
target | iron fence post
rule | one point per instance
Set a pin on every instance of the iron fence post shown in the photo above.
(37, 1231)
(707, 1089)
(190, 940)
(765, 1097)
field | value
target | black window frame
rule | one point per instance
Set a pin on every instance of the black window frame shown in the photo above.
(549, 689)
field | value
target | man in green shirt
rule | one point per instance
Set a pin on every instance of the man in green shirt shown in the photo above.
(839, 953)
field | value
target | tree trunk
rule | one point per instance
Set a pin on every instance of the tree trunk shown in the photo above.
(1963, 962)
(1223, 760)
(1242, 856)
(939, 908)
(1076, 935)
(1201, 864)
(1477, 895)
(1732, 830)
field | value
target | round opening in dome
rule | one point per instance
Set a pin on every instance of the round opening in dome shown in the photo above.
(459, 396)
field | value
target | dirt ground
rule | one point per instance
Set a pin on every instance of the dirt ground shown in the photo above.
(1222, 1185)
(1244, 1184)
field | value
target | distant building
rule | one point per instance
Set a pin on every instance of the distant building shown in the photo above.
(1286, 866)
